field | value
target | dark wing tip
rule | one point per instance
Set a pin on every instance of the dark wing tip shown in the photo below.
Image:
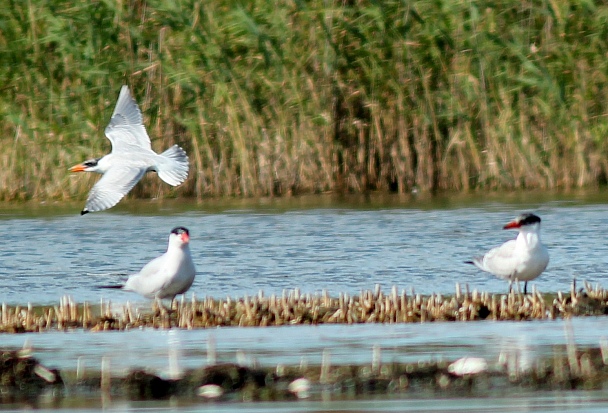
(114, 287)
(469, 262)
(84, 211)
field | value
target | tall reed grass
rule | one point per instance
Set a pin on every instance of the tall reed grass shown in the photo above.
(285, 97)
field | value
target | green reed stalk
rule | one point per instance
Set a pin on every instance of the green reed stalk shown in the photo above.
(279, 98)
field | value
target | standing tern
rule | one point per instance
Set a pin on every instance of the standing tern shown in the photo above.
(131, 157)
(523, 258)
(168, 275)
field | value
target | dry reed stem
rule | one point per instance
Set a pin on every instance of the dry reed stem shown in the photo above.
(293, 308)
(278, 98)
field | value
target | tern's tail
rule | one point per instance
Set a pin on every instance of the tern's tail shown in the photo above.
(115, 287)
(478, 262)
(173, 166)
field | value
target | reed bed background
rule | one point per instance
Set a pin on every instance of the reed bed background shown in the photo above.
(273, 98)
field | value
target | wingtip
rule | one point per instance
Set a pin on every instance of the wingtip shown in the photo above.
(84, 211)
(469, 262)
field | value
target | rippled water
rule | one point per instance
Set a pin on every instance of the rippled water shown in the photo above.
(242, 251)
(239, 249)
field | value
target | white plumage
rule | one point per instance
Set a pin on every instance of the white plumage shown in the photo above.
(521, 259)
(131, 157)
(168, 275)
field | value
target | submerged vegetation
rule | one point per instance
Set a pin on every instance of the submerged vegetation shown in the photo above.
(275, 98)
(25, 380)
(566, 367)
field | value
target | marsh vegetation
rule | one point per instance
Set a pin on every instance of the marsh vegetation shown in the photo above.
(295, 308)
(302, 97)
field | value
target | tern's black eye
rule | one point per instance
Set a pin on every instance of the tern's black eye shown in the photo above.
(180, 230)
(90, 163)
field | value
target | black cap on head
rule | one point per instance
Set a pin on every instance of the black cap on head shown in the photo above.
(527, 219)
(91, 162)
(180, 230)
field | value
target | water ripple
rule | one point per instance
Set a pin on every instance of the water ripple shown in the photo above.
(338, 250)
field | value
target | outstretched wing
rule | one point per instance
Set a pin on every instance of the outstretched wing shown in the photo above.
(113, 185)
(126, 126)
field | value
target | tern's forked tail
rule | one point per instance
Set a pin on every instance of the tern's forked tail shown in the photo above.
(173, 166)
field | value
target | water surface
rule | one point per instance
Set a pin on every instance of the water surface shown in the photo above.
(270, 246)
(314, 244)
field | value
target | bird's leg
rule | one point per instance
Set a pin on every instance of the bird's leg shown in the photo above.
(173, 307)
(159, 305)
(526, 288)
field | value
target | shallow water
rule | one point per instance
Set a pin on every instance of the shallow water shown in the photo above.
(293, 345)
(272, 248)
(537, 402)
(321, 244)
(149, 349)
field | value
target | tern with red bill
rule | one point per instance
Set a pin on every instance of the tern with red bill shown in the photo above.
(168, 275)
(131, 157)
(520, 259)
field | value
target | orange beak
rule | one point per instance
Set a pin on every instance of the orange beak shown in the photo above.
(77, 168)
(511, 225)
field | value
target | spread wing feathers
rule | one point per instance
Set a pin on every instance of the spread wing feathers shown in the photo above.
(126, 126)
(499, 260)
(112, 186)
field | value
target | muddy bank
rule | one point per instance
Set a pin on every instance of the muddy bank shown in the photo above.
(24, 380)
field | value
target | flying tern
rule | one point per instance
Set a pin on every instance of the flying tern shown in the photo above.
(521, 259)
(168, 275)
(131, 157)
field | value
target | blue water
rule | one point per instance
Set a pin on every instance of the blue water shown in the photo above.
(46, 253)
(243, 251)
